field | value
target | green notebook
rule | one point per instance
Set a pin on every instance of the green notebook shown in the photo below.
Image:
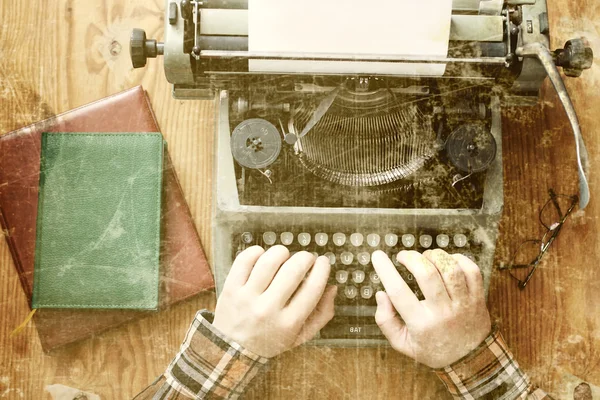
(98, 223)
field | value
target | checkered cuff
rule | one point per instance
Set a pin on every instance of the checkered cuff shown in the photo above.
(488, 372)
(211, 366)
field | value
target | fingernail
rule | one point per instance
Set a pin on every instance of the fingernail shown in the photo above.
(376, 253)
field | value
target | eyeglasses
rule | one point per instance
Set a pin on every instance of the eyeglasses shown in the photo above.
(529, 254)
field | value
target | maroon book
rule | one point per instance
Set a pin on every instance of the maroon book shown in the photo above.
(184, 270)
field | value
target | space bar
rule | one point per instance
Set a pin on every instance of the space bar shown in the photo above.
(355, 311)
(351, 331)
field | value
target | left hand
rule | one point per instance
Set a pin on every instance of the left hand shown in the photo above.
(267, 307)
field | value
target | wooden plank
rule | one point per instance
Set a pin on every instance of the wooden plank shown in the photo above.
(553, 325)
(62, 54)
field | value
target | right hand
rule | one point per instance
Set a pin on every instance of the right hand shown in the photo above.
(266, 306)
(451, 321)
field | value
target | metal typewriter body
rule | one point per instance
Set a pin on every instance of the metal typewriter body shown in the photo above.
(342, 165)
(238, 225)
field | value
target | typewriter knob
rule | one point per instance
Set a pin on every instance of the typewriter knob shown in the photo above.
(141, 48)
(575, 57)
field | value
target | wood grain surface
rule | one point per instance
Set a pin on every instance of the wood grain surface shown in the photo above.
(56, 55)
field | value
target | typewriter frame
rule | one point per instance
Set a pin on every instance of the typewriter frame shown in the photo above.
(230, 216)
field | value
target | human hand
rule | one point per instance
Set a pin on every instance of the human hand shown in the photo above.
(451, 321)
(266, 306)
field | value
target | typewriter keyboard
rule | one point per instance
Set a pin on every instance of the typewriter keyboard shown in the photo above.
(349, 254)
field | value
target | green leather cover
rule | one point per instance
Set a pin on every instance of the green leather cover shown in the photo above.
(98, 223)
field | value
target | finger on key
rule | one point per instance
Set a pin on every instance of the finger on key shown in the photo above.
(472, 274)
(266, 267)
(289, 277)
(311, 290)
(402, 297)
(451, 273)
(393, 328)
(242, 267)
(322, 314)
(427, 276)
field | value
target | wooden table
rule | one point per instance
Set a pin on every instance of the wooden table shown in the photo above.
(56, 55)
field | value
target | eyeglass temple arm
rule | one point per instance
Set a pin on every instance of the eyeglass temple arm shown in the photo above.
(543, 54)
(545, 247)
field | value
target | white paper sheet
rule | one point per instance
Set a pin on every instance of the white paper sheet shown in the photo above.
(388, 27)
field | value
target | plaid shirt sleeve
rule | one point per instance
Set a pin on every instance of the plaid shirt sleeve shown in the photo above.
(208, 366)
(489, 372)
(211, 366)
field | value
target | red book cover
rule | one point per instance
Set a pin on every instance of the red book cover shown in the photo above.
(184, 269)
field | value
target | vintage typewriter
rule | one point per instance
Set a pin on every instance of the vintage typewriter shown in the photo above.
(342, 165)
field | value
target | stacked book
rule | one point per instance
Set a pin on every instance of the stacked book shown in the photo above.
(96, 220)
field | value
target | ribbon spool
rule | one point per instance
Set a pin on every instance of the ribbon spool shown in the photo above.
(255, 143)
(471, 148)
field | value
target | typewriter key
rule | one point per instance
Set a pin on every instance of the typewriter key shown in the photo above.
(391, 239)
(350, 292)
(356, 239)
(358, 276)
(341, 276)
(373, 239)
(269, 238)
(364, 258)
(287, 238)
(374, 277)
(408, 240)
(460, 240)
(366, 292)
(339, 239)
(321, 239)
(347, 258)
(425, 241)
(331, 257)
(442, 240)
(304, 239)
(247, 237)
